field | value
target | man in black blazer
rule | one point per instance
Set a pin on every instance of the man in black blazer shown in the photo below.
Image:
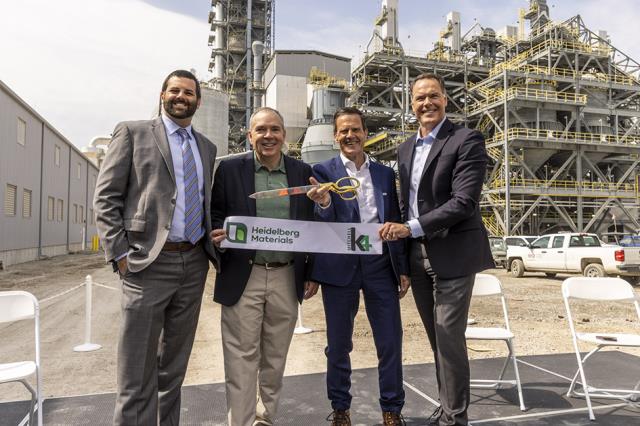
(259, 290)
(442, 169)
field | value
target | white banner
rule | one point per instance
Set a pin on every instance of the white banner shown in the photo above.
(259, 233)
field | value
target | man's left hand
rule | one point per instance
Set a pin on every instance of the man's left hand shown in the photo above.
(391, 231)
(405, 283)
(310, 289)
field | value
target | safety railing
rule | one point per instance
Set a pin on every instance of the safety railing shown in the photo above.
(529, 94)
(592, 188)
(559, 135)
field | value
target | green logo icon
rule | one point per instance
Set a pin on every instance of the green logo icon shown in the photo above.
(360, 242)
(237, 232)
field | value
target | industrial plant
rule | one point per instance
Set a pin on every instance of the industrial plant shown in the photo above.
(556, 102)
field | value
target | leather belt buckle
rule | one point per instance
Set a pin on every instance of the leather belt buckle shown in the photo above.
(274, 265)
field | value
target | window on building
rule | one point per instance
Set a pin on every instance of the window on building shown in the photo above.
(26, 202)
(22, 132)
(10, 200)
(75, 213)
(51, 207)
(56, 155)
(92, 220)
(79, 173)
(81, 214)
(60, 210)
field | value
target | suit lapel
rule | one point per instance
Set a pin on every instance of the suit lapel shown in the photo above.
(160, 136)
(248, 181)
(405, 156)
(378, 188)
(294, 178)
(438, 144)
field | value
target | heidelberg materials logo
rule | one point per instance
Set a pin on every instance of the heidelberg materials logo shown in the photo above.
(357, 242)
(237, 232)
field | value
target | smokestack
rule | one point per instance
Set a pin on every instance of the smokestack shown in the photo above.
(257, 47)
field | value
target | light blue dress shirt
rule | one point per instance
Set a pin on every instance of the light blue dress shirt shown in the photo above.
(175, 144)
(421, 152)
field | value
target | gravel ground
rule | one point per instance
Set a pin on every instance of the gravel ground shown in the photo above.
(535, 308)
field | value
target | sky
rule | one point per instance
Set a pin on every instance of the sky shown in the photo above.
(85, 65)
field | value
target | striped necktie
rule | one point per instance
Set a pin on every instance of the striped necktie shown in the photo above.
(193, 215)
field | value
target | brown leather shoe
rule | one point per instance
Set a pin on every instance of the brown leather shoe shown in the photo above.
(390, 418)
(339, 418)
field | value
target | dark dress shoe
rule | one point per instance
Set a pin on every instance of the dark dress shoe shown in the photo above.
(389, 418)
(339, 418)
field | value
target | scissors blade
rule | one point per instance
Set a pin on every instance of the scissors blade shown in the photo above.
(282, 192)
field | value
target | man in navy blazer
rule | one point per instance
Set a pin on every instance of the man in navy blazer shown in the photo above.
(442, 169)
(383, 279)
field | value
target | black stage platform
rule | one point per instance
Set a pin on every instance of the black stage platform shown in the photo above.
(545, 380)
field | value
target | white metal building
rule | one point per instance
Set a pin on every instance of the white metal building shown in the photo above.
(46, 185)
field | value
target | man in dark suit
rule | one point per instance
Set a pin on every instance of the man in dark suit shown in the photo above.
(442, 169)
(152, 211)
(383, 279)
(259, 290)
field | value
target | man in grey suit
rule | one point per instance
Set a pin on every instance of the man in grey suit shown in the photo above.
(152, 206)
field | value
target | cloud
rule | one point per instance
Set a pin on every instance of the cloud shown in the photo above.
(84, 65)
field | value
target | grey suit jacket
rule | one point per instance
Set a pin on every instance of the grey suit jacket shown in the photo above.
(136, 192)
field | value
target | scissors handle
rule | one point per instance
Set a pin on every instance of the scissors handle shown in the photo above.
(342, 187)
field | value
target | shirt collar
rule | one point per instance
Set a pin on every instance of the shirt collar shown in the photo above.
(172, 127)
(258, 165)
(432, 134)
(351, 165)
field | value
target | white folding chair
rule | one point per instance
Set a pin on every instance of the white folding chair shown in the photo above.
(16, 306)
(489, 285)
(602, 290)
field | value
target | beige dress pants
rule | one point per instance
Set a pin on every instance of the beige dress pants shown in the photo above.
(256, 334)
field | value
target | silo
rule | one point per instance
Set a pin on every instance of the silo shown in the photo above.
(212, 118)
(319, 142)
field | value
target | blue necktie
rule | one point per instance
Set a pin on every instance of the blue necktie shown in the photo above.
(193, 230)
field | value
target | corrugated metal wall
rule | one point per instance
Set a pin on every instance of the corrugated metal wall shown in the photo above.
(51, 170)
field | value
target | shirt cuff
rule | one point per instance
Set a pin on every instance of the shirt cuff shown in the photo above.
(325, 207)
(121, 256)
(416, 229)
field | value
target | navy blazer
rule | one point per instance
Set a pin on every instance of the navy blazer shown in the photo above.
(234, 181)
(339, 269)
(448, 200)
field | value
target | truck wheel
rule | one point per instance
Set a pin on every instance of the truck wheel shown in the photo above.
(517, 268)
(550, 274)
(593, 270)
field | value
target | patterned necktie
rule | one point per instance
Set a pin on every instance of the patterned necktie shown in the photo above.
(193, 230)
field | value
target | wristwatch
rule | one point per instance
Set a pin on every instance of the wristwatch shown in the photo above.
(406, 225)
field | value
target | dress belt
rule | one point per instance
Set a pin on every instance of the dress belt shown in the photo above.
(180, 246)
(274, 265)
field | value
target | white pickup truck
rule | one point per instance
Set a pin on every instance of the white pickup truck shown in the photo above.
(574, 253)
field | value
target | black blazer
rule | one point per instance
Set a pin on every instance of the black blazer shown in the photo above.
(234, 181)
(448, 200)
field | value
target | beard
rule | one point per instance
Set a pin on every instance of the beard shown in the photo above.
(169, 107)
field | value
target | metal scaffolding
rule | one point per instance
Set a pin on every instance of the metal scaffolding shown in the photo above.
(559, 110)
(235, 26)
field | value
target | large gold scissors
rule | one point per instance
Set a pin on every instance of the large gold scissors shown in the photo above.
(343, 186)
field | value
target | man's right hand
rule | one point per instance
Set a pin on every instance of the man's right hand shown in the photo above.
(122, 266)
(217, 236)
(320, 194)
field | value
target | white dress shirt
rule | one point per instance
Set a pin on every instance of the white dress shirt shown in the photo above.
(175, 143)
(365, 195)
(421, 152)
